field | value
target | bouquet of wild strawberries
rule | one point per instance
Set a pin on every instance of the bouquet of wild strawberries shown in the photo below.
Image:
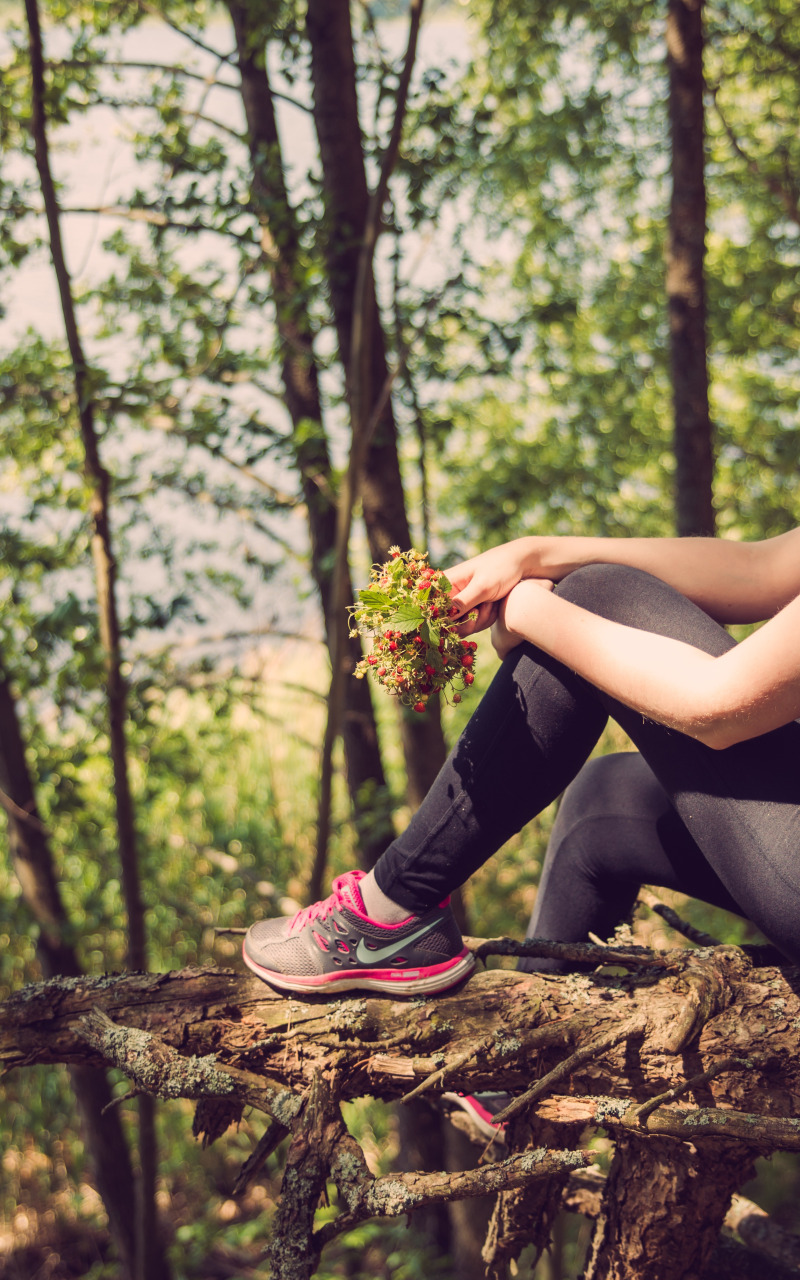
(416, 650)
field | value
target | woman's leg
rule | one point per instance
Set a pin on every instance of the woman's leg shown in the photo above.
(534, 730)
(616, 829)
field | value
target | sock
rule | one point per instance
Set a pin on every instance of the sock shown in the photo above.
(378, 906)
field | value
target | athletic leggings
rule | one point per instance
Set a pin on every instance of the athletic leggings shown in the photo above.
(719, 825)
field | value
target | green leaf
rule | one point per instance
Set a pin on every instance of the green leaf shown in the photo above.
(407, 617)
(374, 599)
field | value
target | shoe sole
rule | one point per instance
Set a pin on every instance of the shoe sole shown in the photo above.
(391, 981)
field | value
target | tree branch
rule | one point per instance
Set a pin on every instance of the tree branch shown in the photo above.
(670, 917)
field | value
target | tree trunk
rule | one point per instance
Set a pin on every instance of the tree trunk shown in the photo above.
(347, 201)
(279, 243)
(32, 860)
(663, 1207)
(151, 1260)
(693, 432)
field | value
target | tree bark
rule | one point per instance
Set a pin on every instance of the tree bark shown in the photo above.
(693, 432)
(280, 249)
(663, 1207)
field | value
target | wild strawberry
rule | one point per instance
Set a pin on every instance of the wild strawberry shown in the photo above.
(419, 706)
(381, 671)
(372, 661)
(418, 640)
(393, 646)
(456, 697)
(468, 677)
(467, 660)
(430, 671)
(434, 612)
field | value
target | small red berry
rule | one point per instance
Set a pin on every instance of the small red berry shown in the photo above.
(419, 706)
(372, 661)
(381, 671)
(456, 697)
(434, 612)
(430, 671)
(418, 640)
(468, 677)
(393, 647)
(467, 660)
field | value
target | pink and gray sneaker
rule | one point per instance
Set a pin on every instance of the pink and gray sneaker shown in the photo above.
(335, 946)
(479, 1111)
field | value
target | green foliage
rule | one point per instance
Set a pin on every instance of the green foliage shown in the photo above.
(533, 386)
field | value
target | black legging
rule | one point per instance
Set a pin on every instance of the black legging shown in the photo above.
(734, 838)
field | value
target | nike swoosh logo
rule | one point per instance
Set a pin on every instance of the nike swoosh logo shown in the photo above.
(365, 954)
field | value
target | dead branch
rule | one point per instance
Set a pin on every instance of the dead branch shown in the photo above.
(671, 917)
(564, 1070)
(571, 952)
(688, 1124)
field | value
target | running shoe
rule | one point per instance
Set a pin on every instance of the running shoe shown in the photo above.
(335, 946)
(479, 1110)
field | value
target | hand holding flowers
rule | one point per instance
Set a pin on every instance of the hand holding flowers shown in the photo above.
(416, 649)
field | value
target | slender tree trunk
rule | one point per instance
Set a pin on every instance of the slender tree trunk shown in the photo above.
(694, 451)
(150, 1258)
(32, 860)
(279, 243)
(352, 230)
(347, 202)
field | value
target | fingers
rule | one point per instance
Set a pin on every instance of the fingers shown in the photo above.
(485, 615)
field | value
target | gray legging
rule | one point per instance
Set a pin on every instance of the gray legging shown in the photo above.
(722, 825)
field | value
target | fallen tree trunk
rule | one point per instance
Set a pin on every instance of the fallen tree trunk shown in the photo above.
(689, 1059)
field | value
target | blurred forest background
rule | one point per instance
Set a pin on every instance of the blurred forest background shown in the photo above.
(281, 288)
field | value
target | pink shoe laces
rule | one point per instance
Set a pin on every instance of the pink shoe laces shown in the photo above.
(345, 894)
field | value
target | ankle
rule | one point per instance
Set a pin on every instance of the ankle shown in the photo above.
(378, 905)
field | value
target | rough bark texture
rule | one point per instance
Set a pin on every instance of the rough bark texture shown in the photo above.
(694, 452)
(527, 1216)
(664, 1205)
(690, 1060)
(280, 247)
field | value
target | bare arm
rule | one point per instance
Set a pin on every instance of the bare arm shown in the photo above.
(732, 581)
(745, 692)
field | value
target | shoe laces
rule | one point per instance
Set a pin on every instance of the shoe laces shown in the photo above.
(344, 894)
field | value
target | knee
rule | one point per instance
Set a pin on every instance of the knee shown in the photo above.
(597, 586)
(615, 786)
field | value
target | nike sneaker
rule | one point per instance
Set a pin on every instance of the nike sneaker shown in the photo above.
(478, 1111)
(335, 946)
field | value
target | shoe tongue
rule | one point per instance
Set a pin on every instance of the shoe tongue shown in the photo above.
(349, 894)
